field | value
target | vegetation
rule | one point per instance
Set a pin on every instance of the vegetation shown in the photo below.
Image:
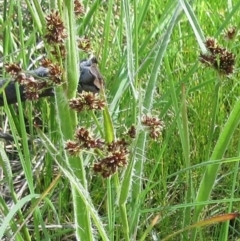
(160, 159)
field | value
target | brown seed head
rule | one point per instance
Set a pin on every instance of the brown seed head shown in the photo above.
(84, 44)
(230, 33)
(55, 72)
(78, 8)
(155, 126)
(72, 147)
(218, 57)
(132, 131)
(117, 158)
(13, 69)
(87, 101)
(55, 29)
(86, 140)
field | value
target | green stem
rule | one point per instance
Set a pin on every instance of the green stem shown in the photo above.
(211, 171)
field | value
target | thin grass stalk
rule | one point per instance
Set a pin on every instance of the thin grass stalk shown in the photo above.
(110, 209)
(6, 167)
(13, 211)
(124, 220)
(128, 21)
(159, 28)
(26, 164)
(186, 151)
(211, 171)
(204, 164)
(224, 233)
(106, 34)
(35, 15)
(109, 138)
(214, 112)
(130, 74)
(182, 123)
(37, 214)
(37, 203)
(7, 43)
(228, 19)
(25, 156)
(135, 48)
(194, 23)
(81, 190)
(84, 24)
(143, 10)
(68, 122)
(21, 31)
(147, 104)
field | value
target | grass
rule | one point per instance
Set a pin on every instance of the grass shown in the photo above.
(185, 185)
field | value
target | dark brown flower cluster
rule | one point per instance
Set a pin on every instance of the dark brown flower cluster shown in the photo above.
(78, 8)
(218, 57)
(32, 87)
(132, 132)
(56, 33)
(87, 141)
(55, 72)
(230, 33)
(84, 44)
(13, 69)
(87, 101)
(83, 140)
(155, 126)
(116, 152)
(117, 158)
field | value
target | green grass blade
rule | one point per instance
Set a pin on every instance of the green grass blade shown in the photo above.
(207, 182)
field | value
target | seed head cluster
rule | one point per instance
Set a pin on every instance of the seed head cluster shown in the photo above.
(218, 57)
(132, 132)
(115, 153)
(84, 44)
(117, 158)
(87, 101)
(83, 140)
(55, 72)
(32, 87)
(56, 34)
(78, 8)
(55, 29)
(230, 33)
(13, 69)
(155, 126)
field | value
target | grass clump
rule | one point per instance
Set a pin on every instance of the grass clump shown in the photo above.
(154, 145)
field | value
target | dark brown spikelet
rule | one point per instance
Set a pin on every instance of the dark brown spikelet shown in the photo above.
(78, 8)
(72, 147)
(117, 158)
(132, 132)
(55, 72)
(83, 141)
(55, 29)
(59, 51)
(154, 125)
(13, 69)
(32, 87)
(218, 57)
(87, 101)
(86, 140)
(117, 145)
(230, 33)
(84, 44)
